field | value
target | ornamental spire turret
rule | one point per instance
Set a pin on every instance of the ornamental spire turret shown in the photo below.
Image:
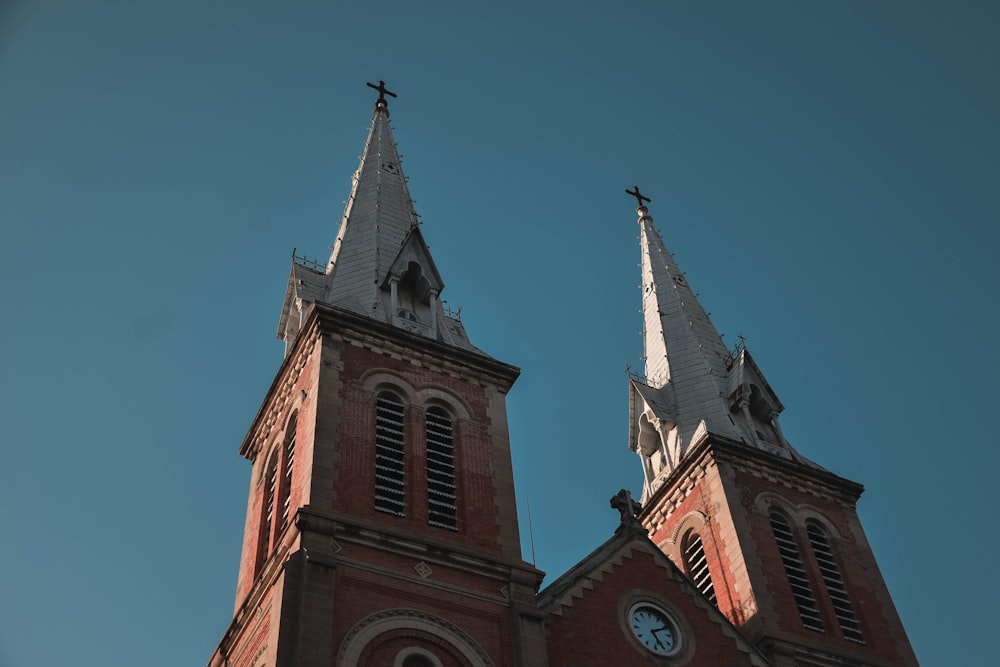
(693, 384)
(380, 267)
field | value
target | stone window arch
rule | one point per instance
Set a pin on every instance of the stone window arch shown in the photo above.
(650, 448)
(696, 565)
(437, 632)
(415, 656)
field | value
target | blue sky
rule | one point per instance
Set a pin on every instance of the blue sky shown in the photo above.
(826, 174)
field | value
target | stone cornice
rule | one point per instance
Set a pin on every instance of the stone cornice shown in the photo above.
(350, 530)
(712, 449)
(786, 472)
(367, 332)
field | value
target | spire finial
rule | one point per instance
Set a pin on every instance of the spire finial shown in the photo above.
(639, 197)
(381, 102)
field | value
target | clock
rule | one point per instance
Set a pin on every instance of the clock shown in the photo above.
(654, 629)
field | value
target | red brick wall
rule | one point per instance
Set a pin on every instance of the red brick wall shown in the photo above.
(728, 494)
(355, 453)
(884, 636)
(361, 593)
(334, 472)
(305, 380)
(700, 500)
(591, 631)
(252, 640)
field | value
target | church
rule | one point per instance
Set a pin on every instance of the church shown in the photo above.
(381, 526)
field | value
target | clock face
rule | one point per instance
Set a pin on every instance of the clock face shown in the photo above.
(654, 629)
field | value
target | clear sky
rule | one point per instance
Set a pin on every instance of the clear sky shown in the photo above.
(825, 172)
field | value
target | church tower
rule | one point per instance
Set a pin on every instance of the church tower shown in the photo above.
(770, 537)
(381, 527)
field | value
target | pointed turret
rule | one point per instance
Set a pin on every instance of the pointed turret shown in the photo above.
(380, 266)
(693, 384)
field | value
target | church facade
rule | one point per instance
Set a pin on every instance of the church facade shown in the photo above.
(381, 525)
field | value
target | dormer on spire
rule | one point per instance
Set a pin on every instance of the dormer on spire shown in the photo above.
(693, 385)
(413, 283)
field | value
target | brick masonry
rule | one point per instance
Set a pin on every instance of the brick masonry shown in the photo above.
(734, 490)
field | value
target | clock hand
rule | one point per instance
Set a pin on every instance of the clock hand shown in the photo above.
(657, 635)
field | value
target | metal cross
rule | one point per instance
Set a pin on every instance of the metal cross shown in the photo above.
(639, 197)
(382, 90)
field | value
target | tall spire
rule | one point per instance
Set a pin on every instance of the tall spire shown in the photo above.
(693, 385)
(378, 217)
(380, 267)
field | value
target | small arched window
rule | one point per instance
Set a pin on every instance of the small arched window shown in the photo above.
(801, 588)
(417, 660)
(835, 588)
(442, 509)
(697, 565)
(286, 482)
(390, 486)
(267, 509)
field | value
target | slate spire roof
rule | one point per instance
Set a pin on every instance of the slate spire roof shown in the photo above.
(693, 384)
(380, 266)
(682, 348)
(378, 217)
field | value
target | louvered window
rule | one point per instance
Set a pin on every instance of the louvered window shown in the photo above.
(697, 565)
(834, 584)
(442, 510)
(267, 509)
(389, 455)
(801, 589)
(286, 482)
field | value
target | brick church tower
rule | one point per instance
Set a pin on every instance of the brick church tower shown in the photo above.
(769, 536)
(381, 527)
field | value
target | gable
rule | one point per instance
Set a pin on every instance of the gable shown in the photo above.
(745, 377)
(591, 612)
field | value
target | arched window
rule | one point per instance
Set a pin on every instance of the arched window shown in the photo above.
(417, 660)
(697, 565)
(286, 482)
(835, 588)
(801, 589)
(390, 485)
(442, 510)
(267, 509)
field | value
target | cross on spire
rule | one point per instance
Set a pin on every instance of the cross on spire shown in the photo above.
(382, 91)
(639, 197)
